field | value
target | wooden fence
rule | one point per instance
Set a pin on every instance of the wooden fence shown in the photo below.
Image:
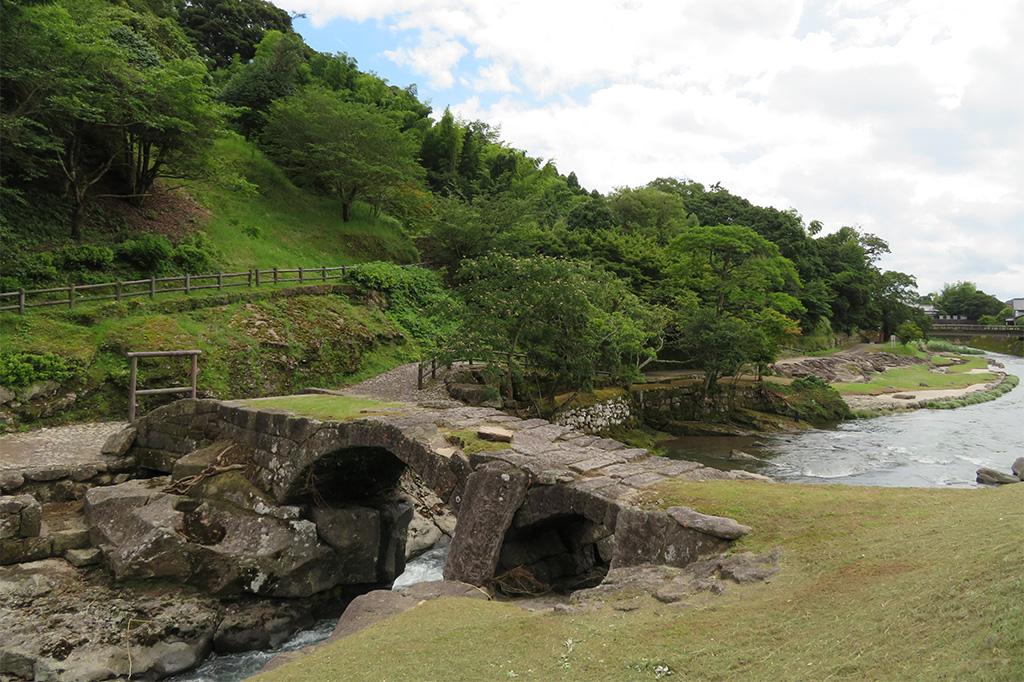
(134, 391)
(69, 296)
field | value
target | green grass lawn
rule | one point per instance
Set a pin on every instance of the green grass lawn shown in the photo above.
(920, 377)
(875, 584)
(327, 407)
(285, 226)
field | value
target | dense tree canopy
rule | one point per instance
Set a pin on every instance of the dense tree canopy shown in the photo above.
(346, 149)
(221, 29)
(967, 300)
(567, 319)
(98, 97)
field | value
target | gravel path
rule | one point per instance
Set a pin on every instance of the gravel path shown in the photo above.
(399, 385)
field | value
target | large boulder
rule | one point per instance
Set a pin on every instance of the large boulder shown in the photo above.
(992, 477)
(59, 623)
(355, 533)
(656, 537)
(220, 546)
(1018, 468)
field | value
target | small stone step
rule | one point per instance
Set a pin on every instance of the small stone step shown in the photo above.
(81, 558)
(494, 434)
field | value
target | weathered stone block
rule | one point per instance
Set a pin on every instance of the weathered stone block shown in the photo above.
(86, 556)
(64, 540)
(496, 434)
(22, 550)
(719, 526)
(118, 444)
(653, 537)
(355, 534)
(493, 494)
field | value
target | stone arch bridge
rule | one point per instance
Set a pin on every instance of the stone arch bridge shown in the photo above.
(560, 503)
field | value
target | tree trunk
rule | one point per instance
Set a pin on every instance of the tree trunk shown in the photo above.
(346, 210)
(77, 209)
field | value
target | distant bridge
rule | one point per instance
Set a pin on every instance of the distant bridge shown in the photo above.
(966, 331)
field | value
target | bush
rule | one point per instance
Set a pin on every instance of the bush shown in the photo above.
(23, 369)
(83, 257)
(908, 332)
(417, 299)
(26, 270)
(194, 254)
(149, 253)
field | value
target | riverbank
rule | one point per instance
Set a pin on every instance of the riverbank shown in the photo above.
(867, 406)
(858, 566)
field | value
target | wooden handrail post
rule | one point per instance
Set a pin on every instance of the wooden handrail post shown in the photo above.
(433, 367)
(220, 280)
(300, 274)
(188, 283)
(257, 276)
(195, 375)
(419, 377)
(71, 295)
(275, 275)
(21, 301)
(117, 292)
(249, 280)
(132, 379)
(152, 286)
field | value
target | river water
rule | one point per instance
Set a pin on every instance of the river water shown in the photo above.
(924, 448)
(232, 667)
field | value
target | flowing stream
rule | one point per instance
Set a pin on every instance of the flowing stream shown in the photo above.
(232, 667)
(924, 448)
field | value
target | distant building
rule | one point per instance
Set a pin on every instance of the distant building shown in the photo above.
(935, 314)
(1017, 306)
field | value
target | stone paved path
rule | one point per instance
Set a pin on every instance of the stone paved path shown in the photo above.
(54, 453)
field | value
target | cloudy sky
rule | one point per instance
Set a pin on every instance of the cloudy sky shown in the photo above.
(903, 117)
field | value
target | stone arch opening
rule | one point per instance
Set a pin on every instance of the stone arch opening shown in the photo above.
(563, 553)
(353, 496)
(347, 475)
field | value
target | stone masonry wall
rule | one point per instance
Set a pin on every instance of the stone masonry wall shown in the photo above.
(599, 417)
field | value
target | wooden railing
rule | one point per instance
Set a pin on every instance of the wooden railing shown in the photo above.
(152, 287)
(134, 391)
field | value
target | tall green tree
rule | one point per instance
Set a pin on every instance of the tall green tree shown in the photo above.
(98, 96)
(221, 29)
(343, 149)
(566, 320)
(278, 69)
(967, 300)
(441, 153)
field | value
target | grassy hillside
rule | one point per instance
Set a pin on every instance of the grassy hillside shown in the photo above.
(245, 214)
(261, 343)
(875, 584)
(261, 219)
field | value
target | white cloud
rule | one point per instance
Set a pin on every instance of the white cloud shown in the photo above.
(434, 56)
(903, 116)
